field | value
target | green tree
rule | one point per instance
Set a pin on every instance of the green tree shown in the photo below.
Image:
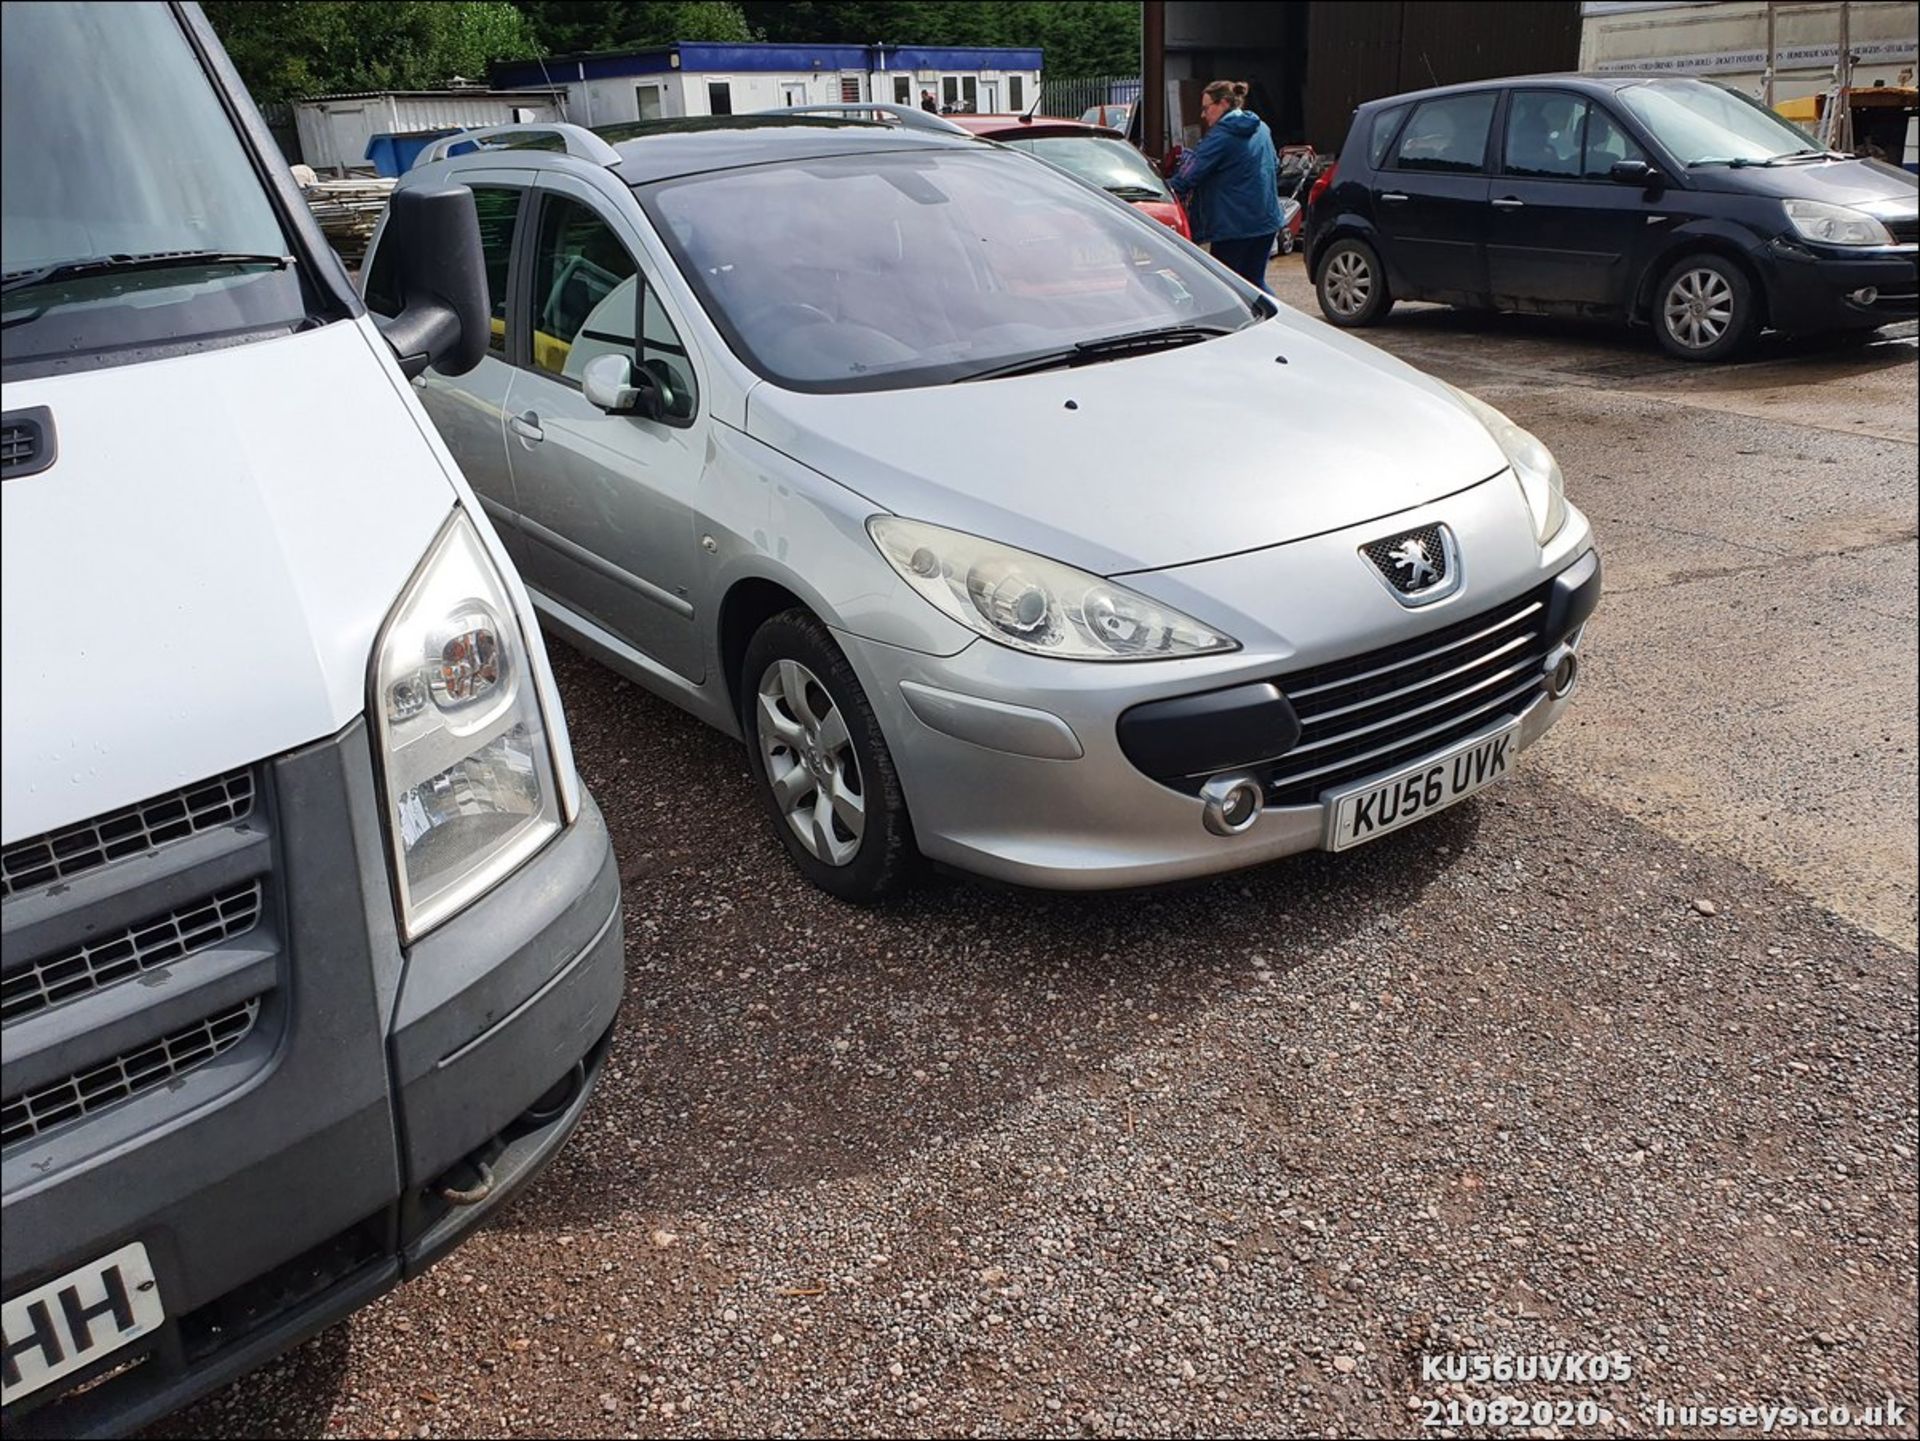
(563, 27)
(1080, 37)
(285, 49)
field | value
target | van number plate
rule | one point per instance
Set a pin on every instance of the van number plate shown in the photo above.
(1386, 803)
(55, 1329)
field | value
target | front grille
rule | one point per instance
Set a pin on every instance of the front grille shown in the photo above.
(127, 1075)
(63, 854)
(1906, 229)
(19, 444)
(82, 969)
(1413, 561)
(1373, 712)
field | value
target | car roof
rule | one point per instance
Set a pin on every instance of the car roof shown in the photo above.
(1002, 127)
(1567, 80)
(655, 150)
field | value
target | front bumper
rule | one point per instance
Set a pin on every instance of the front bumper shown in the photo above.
(1030, 784)
(301, 1173)
(1811, 290)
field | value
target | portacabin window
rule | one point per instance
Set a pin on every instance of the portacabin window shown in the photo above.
(719, 97)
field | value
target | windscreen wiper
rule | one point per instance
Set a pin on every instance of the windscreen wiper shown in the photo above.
(1135, 192)
(1107, 347)
(120, 264)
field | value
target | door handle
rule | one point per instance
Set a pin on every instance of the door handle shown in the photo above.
(527, 426)
(1508, 202)
(1392, 195)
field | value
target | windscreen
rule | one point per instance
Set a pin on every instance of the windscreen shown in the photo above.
(1110, 164)
(115, 156)
(1702, 124)
(873, 271)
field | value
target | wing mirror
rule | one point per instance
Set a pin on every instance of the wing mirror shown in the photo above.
(1633, 172)
(611, 383)
(445, 318)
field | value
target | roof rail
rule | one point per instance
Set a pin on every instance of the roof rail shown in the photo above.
(912, 117)
(576, 140)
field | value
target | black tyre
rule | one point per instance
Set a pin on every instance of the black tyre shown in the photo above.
(1704, 309)
(822, 766)
(1352, 284)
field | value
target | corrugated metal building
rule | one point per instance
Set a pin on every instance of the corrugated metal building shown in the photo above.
(1311, 61)
(334, 129)
(712, 78)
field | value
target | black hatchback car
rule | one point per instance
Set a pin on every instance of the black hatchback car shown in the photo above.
(1658, 200)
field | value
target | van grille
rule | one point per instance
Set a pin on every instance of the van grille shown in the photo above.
(127, 1075)
(27, 444)
(100, 963)
(63, 854)
(1373, 712)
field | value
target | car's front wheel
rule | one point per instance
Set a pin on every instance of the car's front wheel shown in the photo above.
(821, 762)
(1352, 284)
(1705, 309)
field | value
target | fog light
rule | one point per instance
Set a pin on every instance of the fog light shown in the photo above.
(1865, 295)
(1232, 803)
(1561, 672)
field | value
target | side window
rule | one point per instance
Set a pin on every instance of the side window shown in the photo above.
(719, 97)
(584, 283)
(1448, 135)
(1607, 143)
(1382, 133)
(499, 211)
(1017, 93)
(902, 90)
(1543, 134)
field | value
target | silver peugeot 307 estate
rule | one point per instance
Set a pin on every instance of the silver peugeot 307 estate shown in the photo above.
(1005, 527)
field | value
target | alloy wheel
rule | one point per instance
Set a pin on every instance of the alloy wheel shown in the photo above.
(1699, 308)
(1349, 282)
(811, 764)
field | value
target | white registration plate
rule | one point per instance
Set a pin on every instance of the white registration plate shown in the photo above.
(55, 1329)
(1361, 812)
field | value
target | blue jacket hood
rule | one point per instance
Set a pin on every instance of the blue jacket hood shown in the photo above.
(1229, 180)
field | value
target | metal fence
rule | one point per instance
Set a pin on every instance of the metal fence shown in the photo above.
(1075, 95)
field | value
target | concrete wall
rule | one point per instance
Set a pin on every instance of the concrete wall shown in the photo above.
(1727, 39)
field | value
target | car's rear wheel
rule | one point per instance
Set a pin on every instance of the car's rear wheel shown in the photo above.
(1705, 309)
(1352, 284)
(821, 762)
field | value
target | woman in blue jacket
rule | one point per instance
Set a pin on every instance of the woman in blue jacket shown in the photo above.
(1228, 183)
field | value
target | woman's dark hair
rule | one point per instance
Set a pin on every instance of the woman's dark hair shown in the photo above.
(1233, 93)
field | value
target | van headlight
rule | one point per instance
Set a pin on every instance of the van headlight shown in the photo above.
(1835, 224)
(1539, 473)
(464, 751)
(1034, 604)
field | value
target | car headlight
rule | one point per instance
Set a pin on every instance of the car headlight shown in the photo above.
(464, 751)
(1835, 224)
(1539, 473)
(1034, 604)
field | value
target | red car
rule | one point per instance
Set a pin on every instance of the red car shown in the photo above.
(1096, 154)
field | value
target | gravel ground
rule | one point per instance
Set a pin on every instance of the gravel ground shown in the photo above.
(1222, 1160)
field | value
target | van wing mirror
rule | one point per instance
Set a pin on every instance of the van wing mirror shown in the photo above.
(440, 276)
(1633, 172)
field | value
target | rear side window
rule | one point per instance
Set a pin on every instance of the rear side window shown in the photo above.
(499, 210)
(1607, 144)
(1447, 135)
(1544, 129)
(1381, 135)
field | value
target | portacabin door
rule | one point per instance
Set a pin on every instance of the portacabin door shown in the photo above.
(1562, 235)
(1430, 199)
(608, 502)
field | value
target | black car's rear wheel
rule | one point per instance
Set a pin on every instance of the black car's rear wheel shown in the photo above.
(1352, 284)
(1705, 309)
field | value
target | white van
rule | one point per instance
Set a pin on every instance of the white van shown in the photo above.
(311, 936)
